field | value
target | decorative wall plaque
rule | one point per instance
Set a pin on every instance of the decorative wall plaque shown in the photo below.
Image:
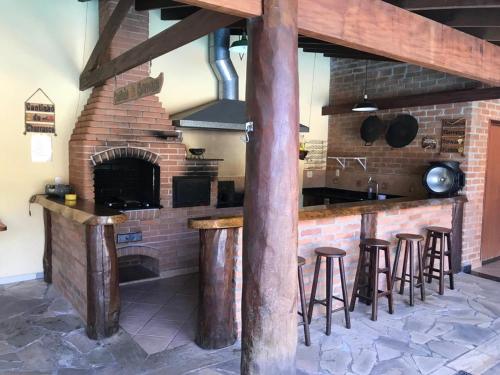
(39, 117)
(453, 136)
(140, 89)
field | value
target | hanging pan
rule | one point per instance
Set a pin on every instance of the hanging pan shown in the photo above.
(402, 131)
(371, 129)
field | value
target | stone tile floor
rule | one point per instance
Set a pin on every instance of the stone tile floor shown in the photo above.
(460, 331)
(160, 314)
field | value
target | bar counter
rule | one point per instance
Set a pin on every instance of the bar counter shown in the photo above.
(339, 225)
(80, 259)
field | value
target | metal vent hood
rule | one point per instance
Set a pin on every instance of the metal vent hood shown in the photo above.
(227, 112)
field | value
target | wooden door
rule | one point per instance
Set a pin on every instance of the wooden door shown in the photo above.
(490, 242)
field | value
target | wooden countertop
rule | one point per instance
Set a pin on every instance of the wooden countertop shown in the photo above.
(3, 227)
(332, 210)
(83, 211)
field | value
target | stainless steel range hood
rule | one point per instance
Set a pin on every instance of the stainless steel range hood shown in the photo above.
(227, 112)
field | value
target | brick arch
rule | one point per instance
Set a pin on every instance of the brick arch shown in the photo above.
(138, 250)
(124, 152)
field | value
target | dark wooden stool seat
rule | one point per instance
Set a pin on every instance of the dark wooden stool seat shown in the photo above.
(374, 242)
(439, 229)
(330, 253)
(432, 252)
(409, 237)
(367, 275)
(409, 257)
(303, 309)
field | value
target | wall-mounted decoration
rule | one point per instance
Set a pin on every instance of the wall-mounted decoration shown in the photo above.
(429, 143)
(39, 116)
(453, 136)
(140, 89)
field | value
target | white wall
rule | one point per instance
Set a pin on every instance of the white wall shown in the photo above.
(43, 45)
(189, 82)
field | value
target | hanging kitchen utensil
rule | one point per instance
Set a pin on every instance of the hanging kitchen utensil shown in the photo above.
(371, 129)
(402, 131)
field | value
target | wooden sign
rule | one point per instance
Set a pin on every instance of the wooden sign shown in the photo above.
(133, 91)
(453, 136)
(39, 117)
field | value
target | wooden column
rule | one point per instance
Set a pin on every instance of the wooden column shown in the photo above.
(457, 220)
(103, 297)
(47, 251)
(216, 315)
(269, 310)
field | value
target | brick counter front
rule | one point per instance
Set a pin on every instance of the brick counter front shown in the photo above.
(344, 230)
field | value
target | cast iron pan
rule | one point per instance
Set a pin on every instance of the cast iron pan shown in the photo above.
(371, 129)
(402, 131)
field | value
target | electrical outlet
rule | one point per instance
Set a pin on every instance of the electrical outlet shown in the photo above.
(122, 238)
(135, 237)
(337, 172)
(309, 174)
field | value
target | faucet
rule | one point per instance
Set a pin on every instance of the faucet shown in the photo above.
(372, 182)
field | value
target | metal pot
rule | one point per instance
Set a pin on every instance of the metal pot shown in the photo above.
(371, 129)
(402, 131)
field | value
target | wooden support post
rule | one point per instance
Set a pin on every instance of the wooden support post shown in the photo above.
(269, 306)
(457, 221)
(216, 315)
(47, 251)
(103, 295)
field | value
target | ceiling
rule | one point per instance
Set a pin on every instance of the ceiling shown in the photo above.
(480, 18)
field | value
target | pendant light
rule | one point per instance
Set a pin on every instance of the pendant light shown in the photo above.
(365, 105)
(240, 46)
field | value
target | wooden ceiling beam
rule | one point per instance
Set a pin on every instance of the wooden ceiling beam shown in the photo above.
(189, 29)
(382, 29)
(464, 17)
(421, 100)
(246, 8)
(108, 34)
(444, 4)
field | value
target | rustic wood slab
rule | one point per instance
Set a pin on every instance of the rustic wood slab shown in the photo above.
(83, 211)
(216, 312)
(332, 210)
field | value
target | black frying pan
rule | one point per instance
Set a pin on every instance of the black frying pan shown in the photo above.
(371, 129)
(402, 131)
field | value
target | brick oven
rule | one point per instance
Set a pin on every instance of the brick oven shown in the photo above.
(117, 159)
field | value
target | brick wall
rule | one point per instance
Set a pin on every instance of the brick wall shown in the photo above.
(105, 131)
(69, 263)
(399, 171)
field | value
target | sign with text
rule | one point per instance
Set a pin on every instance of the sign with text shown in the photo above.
(453, 136)
(140, 89)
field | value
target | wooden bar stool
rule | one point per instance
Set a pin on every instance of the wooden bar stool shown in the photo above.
(330, 253)
(303, 310)
(431, 251)
(409, 240)
(369, 258)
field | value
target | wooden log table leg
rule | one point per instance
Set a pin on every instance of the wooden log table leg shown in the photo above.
(103, 294)
(216, 314)
(47, 251)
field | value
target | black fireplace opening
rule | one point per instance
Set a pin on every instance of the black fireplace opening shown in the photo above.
(127, 184)
(190, 191)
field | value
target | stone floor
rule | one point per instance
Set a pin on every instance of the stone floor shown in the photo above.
(455, 333)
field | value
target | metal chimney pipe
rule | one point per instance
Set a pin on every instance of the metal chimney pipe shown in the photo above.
(222, 66)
